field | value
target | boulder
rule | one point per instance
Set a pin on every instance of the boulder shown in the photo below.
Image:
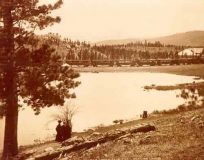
(49, 149)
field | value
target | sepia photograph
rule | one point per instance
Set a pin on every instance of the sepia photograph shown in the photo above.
(101, 79)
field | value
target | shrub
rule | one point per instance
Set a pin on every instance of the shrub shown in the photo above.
(115, 121)
(156, 112)
(181, 108)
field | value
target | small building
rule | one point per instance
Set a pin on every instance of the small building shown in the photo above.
(191, 52)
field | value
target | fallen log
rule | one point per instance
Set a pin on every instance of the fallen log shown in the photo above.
(89, 144)
(144, 129)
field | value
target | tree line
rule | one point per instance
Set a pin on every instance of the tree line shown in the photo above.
(76, 50)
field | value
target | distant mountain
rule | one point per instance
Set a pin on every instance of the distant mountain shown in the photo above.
(192, 38)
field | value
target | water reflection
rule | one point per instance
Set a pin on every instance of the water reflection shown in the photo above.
(101, 99)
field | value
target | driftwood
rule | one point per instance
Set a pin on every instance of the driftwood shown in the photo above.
(92, 143)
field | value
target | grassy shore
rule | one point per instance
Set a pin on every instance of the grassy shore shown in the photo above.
(177, 137)
(188, 70)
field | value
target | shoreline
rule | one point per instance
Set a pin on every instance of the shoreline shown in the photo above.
(187, 70)
(161, 121)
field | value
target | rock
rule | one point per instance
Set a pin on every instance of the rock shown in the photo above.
(30, 152)
(49, 149)
(90, 130)
(96, 134)
(65, 65)
(124, 136)
(148, 136)
(127, 141)
(25, 155)
(73, 140)
(65, 148)
(32, 158)
(170, 125)
(194, 118)
(119, 131)
(182, 121)
(105, 155)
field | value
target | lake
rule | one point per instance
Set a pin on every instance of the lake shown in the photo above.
(101, 99)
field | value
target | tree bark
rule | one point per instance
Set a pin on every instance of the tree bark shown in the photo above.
(10, 134)
(11, 121)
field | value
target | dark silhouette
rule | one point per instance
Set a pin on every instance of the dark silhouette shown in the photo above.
(59, 129)
(144, 114)
(66, 129)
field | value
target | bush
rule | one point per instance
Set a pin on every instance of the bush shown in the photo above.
(181, 108)
(121, 121)
(156, 112)
(115, 121)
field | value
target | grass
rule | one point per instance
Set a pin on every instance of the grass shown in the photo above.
(179, 109)
(177, 137)
(179, 86)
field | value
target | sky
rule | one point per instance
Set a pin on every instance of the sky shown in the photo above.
(96, 20)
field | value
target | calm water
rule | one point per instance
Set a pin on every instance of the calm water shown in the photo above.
(102, 98)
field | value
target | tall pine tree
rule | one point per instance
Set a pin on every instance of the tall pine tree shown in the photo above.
(29, 68)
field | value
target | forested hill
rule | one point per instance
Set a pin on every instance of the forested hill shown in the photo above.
(192, 38)
(76, 50)
(69, 49)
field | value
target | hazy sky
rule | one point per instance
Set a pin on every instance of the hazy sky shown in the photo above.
(96, 20)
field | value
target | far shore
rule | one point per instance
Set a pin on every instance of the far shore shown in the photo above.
(187, 70)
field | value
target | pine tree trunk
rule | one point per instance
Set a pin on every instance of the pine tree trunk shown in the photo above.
(10, 134)
(11, 121)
